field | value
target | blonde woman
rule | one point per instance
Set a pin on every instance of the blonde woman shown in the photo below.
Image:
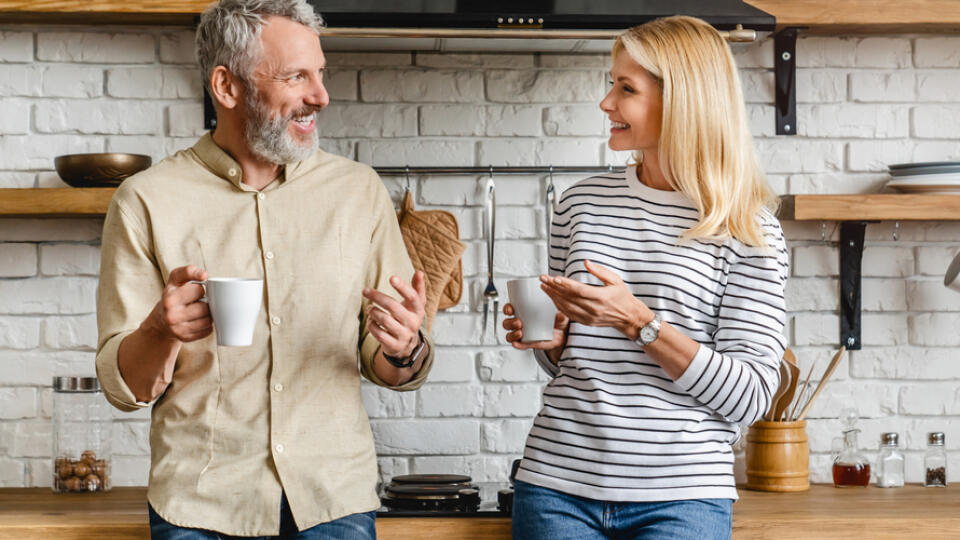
(669, 279)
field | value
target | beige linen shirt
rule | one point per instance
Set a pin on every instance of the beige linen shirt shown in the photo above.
(239, 425)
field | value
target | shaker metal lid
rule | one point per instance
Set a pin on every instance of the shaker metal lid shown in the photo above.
(890, 438)
(76, 384)
(935, 437)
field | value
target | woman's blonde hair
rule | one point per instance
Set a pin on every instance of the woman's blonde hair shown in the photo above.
(706, 149)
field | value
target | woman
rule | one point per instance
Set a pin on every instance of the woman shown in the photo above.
(669, 282)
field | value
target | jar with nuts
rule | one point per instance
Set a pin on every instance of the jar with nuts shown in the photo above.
(82, 430)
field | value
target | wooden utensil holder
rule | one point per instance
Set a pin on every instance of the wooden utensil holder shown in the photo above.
(778, 458)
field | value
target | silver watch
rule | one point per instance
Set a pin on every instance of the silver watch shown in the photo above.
(649, 332)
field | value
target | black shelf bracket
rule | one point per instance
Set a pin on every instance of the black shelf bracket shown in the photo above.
(209, 113)
(785, 80)
(851, 257)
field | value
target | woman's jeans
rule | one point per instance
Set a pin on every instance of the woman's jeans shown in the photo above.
(352, 527)
(544, 514)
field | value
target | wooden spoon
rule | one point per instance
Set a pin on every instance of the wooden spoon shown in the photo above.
(784, 403)
(792, 416)
(784, 381)
(830, 369)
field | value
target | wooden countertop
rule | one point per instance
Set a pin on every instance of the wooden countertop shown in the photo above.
(823, 512)
(818, 15)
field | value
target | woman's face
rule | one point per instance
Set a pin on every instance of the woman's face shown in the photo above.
(634, 105)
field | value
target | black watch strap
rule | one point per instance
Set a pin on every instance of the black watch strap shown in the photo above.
(401, 362)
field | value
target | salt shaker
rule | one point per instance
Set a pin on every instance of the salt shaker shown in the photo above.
(890, 473)
(935, 461)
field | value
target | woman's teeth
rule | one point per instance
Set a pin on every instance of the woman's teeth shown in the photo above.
(619, 125)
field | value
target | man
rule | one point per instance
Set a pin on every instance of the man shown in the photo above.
(270, 439)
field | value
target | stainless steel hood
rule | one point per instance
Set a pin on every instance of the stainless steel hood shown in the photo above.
(517, 25)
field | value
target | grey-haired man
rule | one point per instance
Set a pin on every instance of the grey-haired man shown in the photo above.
(271, 439)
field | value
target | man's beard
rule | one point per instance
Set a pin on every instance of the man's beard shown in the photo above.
(268, 137)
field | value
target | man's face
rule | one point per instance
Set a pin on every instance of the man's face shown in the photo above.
(286, 92)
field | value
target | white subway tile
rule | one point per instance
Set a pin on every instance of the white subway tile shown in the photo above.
(758, 86)
(453, 365)
(15, 119)
(879, 86)
(341, 60)
(816, 329)
(98, 117)
(387, 153)
(882, 261)
(90, 47)
(936, 121)
(17, 403)
(575, 120)
(820, 260)
(71, 81)
(18, 260)
(882, 294)
(905, 363)
(12, 471)
(16, 46)
(504, 436)
(822, 51)
(821, 85)
(935, 329)
(513, 120)
(795, 155)
(467, 61)
(879, 329)
(185, 120)
(757, 54)
(17, 180)
(382, 402)
(812, 294)
(154, 82)
(511, 400)
(417, 437)
(178, 48)
(531, 86)
(20, 80)
(452, 120)
(853, 121)
(342, 85)
(48, 296)
(930, 399)
(937, 51)
(69, 260)
(71, 332)
(508, 365)
(367, 120)
(934, 260)
(21, 333)
(421, 86)
(444, 400)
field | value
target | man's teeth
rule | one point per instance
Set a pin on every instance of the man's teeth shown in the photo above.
(619, 125)
(304, 120)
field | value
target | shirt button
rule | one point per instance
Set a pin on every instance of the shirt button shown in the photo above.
(261, 196)
(278, 387)
(269, 254)
(275, 320)
(279, 448)
(232, 172)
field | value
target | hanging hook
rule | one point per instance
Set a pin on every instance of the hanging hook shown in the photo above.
(896, 231)
(551, 203)
(406, 172)
(823, 231)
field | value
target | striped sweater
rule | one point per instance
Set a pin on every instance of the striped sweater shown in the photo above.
(614, 426)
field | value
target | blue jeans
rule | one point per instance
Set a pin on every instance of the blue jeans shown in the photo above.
(352, 527)
(544, 514)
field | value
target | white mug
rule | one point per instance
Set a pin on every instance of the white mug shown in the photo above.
(533, 307)
(952, 278)
(234, 306)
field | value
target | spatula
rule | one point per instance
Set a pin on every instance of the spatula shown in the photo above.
(783, 405)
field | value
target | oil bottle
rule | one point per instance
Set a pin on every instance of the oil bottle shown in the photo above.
(850, 467)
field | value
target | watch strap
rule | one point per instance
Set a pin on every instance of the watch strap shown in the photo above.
(401, 362)
(653, 325)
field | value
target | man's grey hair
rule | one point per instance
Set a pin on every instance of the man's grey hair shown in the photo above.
(229, 33)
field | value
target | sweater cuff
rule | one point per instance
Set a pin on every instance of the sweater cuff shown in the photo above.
(695, 370)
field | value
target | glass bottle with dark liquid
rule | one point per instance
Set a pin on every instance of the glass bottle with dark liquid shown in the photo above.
(850, 468)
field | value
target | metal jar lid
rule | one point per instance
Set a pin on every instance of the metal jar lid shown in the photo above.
(935, 438)
(889, 439)
(76, 384)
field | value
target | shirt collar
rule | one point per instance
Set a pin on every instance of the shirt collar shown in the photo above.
(224, 166)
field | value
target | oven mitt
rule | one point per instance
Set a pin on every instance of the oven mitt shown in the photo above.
(432, 238)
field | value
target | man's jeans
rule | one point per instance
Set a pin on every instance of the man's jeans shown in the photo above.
(545, 514)
(352, 527)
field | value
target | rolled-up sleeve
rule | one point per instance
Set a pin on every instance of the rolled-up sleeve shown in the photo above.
(387, 257)
(130, 285)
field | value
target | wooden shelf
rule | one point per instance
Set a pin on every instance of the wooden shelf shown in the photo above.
(870, 207)
(891, 16)
(55, 202)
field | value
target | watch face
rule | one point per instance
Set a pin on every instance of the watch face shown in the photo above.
(647, 334)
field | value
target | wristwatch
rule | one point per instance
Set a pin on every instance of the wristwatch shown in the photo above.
(649, 332)
(401, 362)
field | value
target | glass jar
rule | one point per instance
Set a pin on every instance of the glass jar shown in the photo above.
(82, 431)
(935, 461)
(890, 462)
(850, 467)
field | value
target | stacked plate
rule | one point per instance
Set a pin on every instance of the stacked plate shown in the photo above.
(930, 177)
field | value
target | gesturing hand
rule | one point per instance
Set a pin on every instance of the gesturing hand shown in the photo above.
(395, 324)
(611, 304)
(179, 314)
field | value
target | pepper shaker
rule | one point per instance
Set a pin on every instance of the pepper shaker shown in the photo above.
(935, 461)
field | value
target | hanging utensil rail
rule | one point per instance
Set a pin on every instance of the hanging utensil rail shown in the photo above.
(519, 170)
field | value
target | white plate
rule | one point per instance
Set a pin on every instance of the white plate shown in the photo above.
(944, 178)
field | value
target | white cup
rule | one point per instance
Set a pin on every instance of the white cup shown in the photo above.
(952, 278)
(533, 307)
(234, 306)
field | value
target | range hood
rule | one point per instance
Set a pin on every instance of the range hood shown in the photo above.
(517, 25)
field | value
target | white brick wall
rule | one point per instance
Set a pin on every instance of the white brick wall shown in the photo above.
(864, 102)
